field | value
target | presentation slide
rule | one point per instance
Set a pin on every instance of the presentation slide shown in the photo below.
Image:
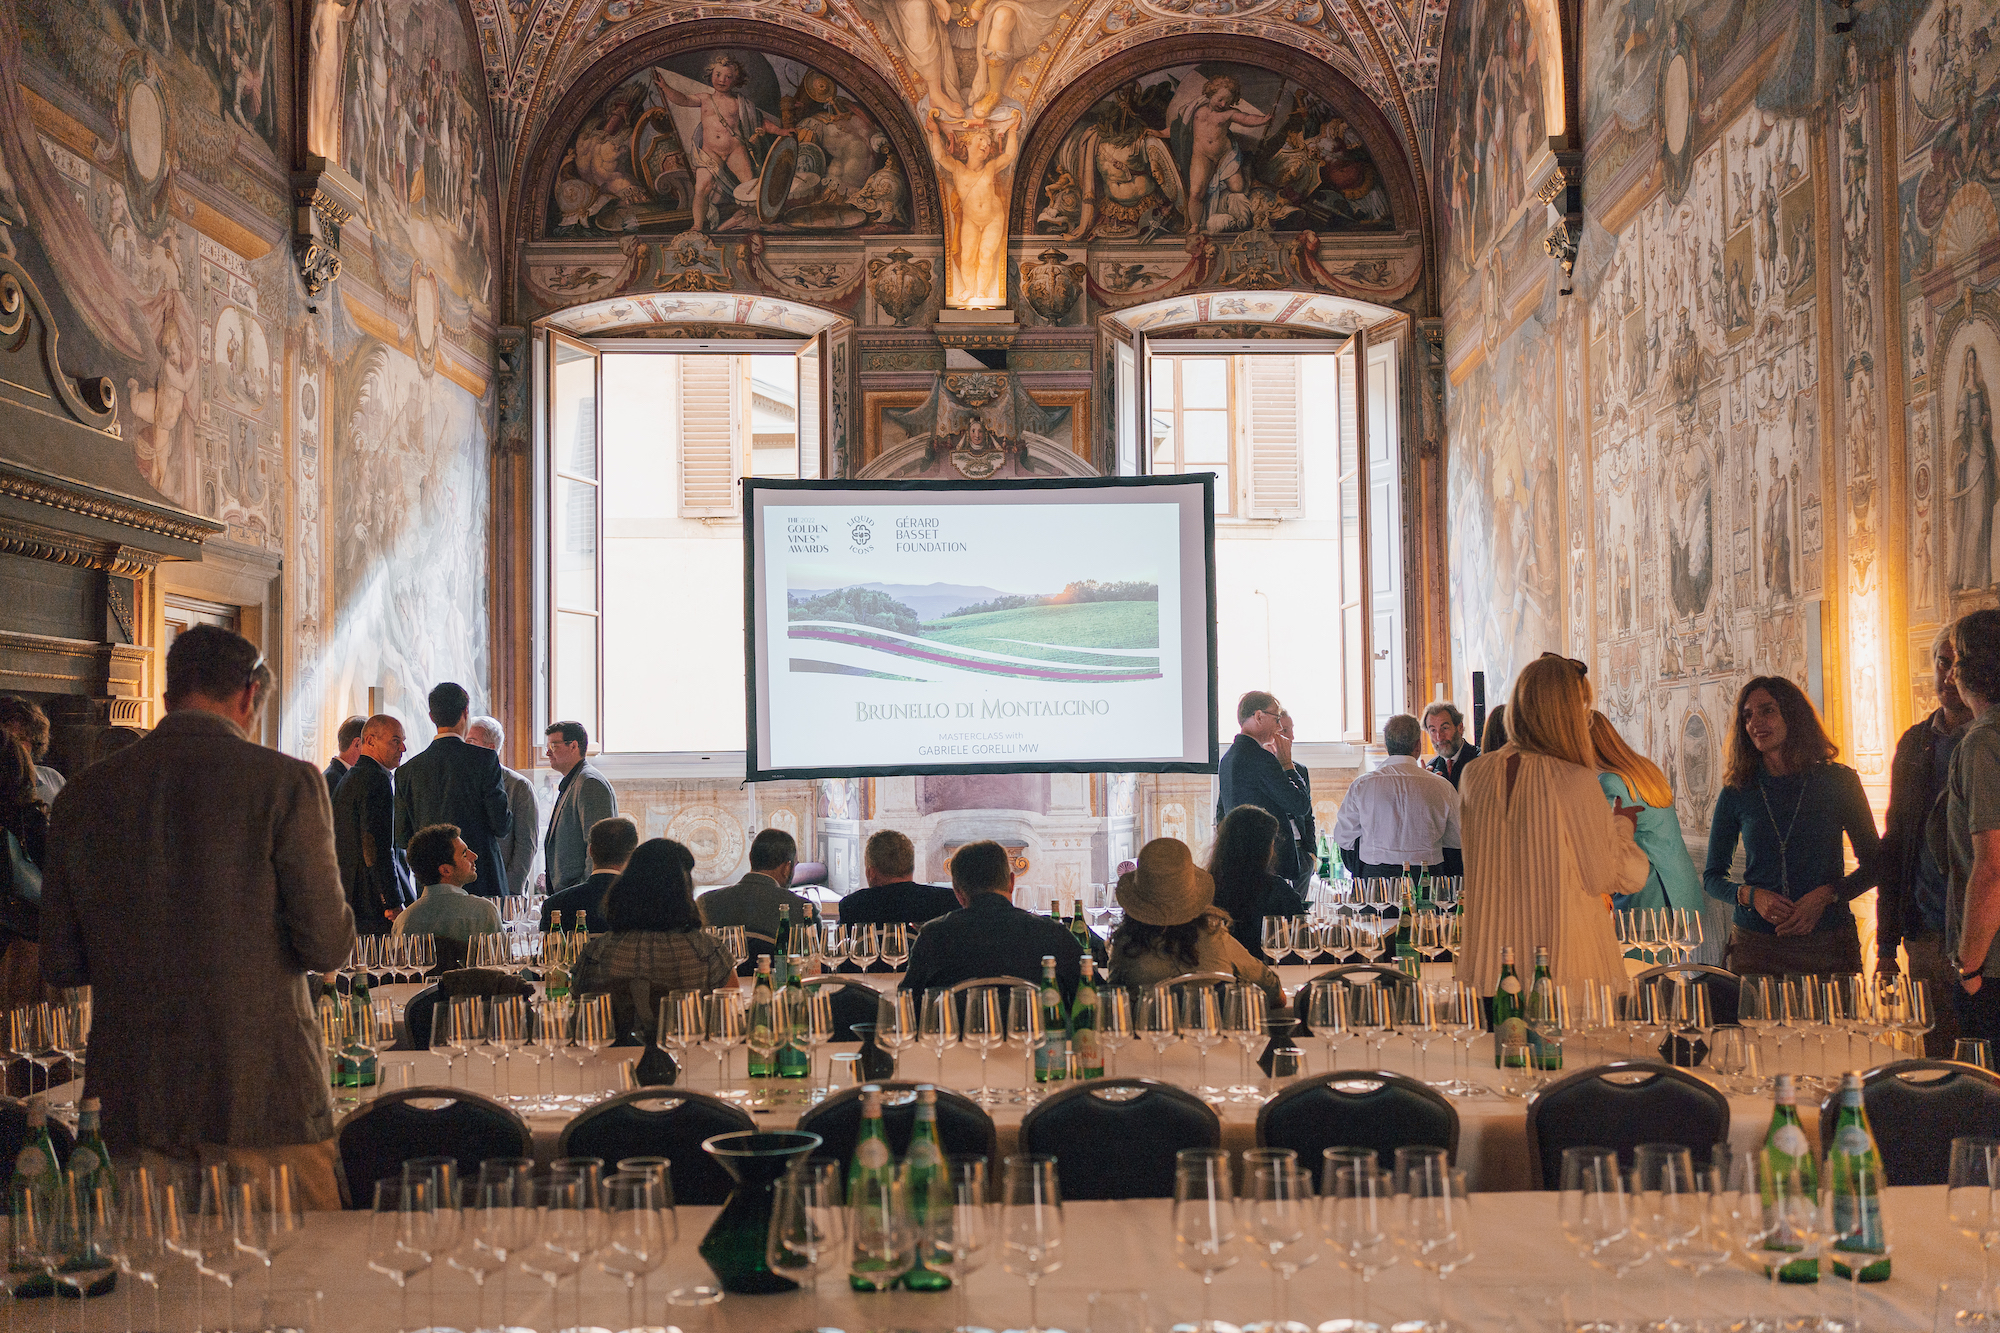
(980, 627)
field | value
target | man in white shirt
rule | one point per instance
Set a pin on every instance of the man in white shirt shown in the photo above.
(1400, 816)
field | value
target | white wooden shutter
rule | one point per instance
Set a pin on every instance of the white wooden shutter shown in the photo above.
(1273, 454)
(709, 463)
(809, 460)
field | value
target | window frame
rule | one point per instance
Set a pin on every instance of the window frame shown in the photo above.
(1230, 430)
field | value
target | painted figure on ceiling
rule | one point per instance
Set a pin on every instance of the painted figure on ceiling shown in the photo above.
(972, 161)
(1129, 185)
(1204, 128)
(729, 124)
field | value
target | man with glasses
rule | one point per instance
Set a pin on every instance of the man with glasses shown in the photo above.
(1257, 769)
(1446, 728)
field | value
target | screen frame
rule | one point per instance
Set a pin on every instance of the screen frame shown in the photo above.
(752, 519)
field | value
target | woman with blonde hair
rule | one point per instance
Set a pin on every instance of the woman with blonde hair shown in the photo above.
(1541, 846)
(1629, 778)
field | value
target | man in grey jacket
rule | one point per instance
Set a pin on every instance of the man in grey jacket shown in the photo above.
(583, 798)
(200, 846)
(523, 841)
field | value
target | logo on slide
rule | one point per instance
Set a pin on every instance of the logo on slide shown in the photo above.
(860, 535)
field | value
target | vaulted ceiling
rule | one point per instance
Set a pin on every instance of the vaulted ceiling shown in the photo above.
(535, 49)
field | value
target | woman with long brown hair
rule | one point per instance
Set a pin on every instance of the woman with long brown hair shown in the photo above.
(1629, 778)
(1541, 845)
(1790, 805)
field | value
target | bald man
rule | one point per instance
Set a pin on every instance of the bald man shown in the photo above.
(372, 868)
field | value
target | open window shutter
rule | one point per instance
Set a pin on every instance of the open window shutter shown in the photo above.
(1276, 477)
(708, 437)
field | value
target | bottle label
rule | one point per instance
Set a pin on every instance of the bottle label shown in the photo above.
(1511, 985)
(873, 1154)
(923, 1152)
(82, 1160)
(1852, 1140)
(30, 1162)
(1791, 1141)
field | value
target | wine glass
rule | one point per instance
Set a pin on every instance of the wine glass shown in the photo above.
(883, 1230)
(84, 1234)
(1794, 1212)
(1732, 1056)
(141, 1235)
(1326, 1015)
(1417, 1019)
(436, 1227)
(728, 1028)
(1856, 1233)
(1201, 1027)
(938, 1024)
(985, 1028)
(563, 1238)
(898, 1024)
(1972, 1197)
(1031, 1225)
(682, 1023)
(1205, 1225)
(1465, 1021)
(395, 1240)
(1158, 1023)
(1713, 1203)
(1760, 1007)
(506, 1032)
(958, 1239)
(597, 1028)
(1244, 1014)
(1355, 1210)
(445, 1042)
(1914, 1018)
(636, 1233)
(1666, 1196)
(1434, 1223)
(272, 1218)
(808, 1223)
(1024, 1028)
(1278, 1215)
(1596, 1214)
(895, 946)
(1115, 1024)
(812, 1022)
(1370, 1014)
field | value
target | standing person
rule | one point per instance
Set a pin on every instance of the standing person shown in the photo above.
(1257, 769)
(24, 720)
(455, 782)
(611, 844)
(1910, 900)
(200, 846)
(583, 798)
(1244, 889)
(26, 821)
(1399, 817)
(1971, 828)
(348, 738)
(1541, 845)
(889, 863)
(1446, 727)
(1305, 841)
(753, 901)
(1628, 779)
(372, 870)
(522, 844)
(1790, 804)
(1495, 734)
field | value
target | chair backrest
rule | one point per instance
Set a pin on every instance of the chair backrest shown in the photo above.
(853, 1002)
(417, 1019)
(376, 1140)
(482, 981)
(1363, 1108)
(1361, 974)
(14, 1137)
(1622, 1105)
(653, 1122)
(1723, 986)
(1120, 1136)
(1915, 1119)
(963, 1126)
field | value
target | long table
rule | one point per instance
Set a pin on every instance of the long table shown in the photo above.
(1524, 1279)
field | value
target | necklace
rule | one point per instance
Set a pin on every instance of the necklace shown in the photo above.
(1785, 838)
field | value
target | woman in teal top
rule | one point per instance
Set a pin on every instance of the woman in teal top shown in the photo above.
(1629, 778)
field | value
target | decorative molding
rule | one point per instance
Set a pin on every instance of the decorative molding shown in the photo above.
(49, 495)
(41, 542)
(1562, 192)
(324, 198)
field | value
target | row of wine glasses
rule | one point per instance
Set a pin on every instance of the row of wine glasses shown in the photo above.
(390, 959)
(496, 1028)
(49, 1033)
(1671, 931)
(1880, 1008)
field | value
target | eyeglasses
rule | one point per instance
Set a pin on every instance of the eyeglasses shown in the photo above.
(1582, 668)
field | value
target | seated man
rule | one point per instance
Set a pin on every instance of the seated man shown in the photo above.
(752, 902)
(444, 865)
(611, 843)
(892, 897)
(988, 936)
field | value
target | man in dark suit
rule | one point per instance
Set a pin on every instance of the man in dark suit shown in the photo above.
(349, 740)
(1455, 750)
(1257, 769)
(753, 901)
(612, 842)
(456, 782)
(372, 868)
(892, 897)
(583, 798)
(988, 936)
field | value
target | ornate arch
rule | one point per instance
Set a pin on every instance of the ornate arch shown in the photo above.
(1056, 120)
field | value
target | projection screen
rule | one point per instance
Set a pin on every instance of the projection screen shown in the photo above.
(1061, 626)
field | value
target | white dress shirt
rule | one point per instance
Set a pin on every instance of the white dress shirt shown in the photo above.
(1401, 813)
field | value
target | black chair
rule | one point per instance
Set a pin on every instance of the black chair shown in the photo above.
(14, 1137)
(1916, 1108)
(963, 1126)
(1622, 1105)
(376, 1140)
(853, 1002)
(648, 1122)
(417, 1019)
(1722, 985)
(1115, 1138)
(1358, 1108)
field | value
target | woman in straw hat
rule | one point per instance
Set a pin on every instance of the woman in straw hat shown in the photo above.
(1172, 925)
(1542, 847)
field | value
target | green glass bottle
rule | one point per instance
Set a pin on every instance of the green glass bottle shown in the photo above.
(360, 1064)
(1052, 1054)
(1083, 1022)
(1325, 860)
(1857, 1215)
(1406, 922)
(1078, 926)
(926, 1186)
(871, 1177)
(1542, 1053)
(763, 1041)
(1788, 1150)
(37, 1174)
(1510, 1014)
(793, 1060)
(554, 948)
(781, 947)
(90, 1163)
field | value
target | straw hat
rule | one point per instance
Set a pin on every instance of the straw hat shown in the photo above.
(1167, 888)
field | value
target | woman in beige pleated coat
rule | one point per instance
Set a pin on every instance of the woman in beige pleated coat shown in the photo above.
(1542, 847)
